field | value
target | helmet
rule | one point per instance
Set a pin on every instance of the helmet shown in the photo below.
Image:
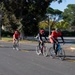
(42, 31)
(16, 31)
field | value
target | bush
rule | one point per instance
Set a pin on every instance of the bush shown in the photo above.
(68, 33)
(6, 34)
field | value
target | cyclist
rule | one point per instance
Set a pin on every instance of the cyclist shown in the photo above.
(16, 36)
(40, 36)
(53, 39)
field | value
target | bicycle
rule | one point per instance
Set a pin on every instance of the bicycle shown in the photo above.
(60, 53)
(43, 48)
(16, 44)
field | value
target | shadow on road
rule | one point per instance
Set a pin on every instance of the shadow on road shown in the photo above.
(28, 49)
(2, 46)
(70, 58)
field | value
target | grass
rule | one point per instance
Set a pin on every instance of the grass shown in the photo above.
(7, 39)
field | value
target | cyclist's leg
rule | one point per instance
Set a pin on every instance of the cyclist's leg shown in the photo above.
(13, 43)
(39, 45)
(56, 48)
(54, 45)
(42, 47)
(17, 44)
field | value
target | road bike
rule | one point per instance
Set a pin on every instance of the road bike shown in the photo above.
(41, 50)
(60, 52)
(16, 44)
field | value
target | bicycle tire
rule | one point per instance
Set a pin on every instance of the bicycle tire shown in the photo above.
(45, 51)
(52, 52)
(38, 51)
(61, 54)
(16, 45)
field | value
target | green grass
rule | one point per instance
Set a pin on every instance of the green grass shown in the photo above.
(6, 39)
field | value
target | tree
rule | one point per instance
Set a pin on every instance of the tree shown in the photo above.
(43, 24)
(69, 14)
(29, 12)
(55, 16)
(62, 25)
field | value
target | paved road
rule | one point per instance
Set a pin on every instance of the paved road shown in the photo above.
(26, 62)
(67, 39)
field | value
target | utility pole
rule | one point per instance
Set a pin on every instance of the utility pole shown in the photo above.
(0, 23)
(49, 24)
(49, 16)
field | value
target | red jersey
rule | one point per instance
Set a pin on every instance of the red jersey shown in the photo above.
(55, 35)
(16, 35)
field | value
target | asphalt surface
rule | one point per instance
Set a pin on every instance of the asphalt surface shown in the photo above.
(27, 62)
(70, 40)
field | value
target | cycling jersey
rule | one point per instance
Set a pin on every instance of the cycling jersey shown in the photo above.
(16, 36)
(54, 36)
(40, 37)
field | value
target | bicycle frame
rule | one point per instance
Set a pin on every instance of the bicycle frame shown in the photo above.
(60, 52)
(41, 49)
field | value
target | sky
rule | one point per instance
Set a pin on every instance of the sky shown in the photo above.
(62, 5)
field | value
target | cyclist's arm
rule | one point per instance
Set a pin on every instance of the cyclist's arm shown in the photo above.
(54, 39)
(40, 38)
(60, 35)
(62, 38)
(37, 36)
(45, 38)
(13, 37)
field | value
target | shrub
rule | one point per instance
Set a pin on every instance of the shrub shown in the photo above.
(6, 34)
(68, 33)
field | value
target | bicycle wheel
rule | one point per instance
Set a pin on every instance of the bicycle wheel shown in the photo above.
(17, 45)
(45, 51)
(52, 52)
(14, 46)
(38, 51)
(61, 54)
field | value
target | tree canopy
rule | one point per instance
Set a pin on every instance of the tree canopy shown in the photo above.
(27, 13)
(69, 14)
